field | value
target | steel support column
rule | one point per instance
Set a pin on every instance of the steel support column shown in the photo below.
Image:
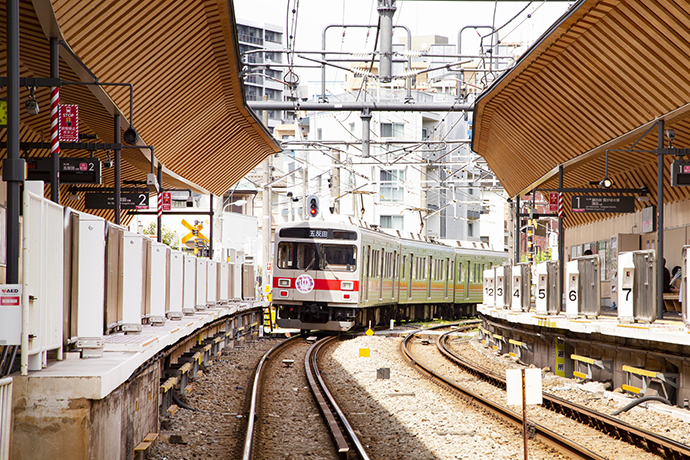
(561, 242)
(118, 159)
(517, 240)
(660, 225)
(366, 132)
(386, 10)
(54, 118)
(159, 204)
(13, 166)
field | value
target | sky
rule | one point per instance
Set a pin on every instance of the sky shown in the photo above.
(444, 18)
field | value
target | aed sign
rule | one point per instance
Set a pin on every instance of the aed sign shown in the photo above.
(11, 314)
(69, 123)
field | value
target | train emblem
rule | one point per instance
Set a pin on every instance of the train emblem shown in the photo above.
(304, 284)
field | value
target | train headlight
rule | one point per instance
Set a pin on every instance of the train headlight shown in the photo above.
(283, 282)
(347, 285)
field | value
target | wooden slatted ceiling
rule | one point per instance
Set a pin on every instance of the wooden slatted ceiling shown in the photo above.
(606, 69)
(188, 95)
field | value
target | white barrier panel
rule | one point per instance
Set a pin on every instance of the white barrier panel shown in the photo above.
(223, 280)
(132, 260)
(5, 417)
(42, 272)
(189, 294)
(88, 257)
(502, 287)
(626, 283)
(232, 285)
(573, 292)
(175, 281)
(489, 288)
(521, 285)
(156, 262)
(201, 268)
(211, 283)
(542, 288)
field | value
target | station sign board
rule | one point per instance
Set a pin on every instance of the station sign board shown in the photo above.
(106, 200)
(72, 170)
(11, 313)
(619, 204)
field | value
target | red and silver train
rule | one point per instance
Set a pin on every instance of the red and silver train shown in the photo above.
(333, 276)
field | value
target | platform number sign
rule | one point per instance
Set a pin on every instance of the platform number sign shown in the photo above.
(499, 292)
(572, 295)
(516, 293)
(542, 293)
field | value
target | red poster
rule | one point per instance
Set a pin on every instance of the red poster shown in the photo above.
(553, 201)
(69, 123)
(167, 204)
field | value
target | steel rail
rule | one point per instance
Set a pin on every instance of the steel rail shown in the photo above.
(542, 433)
(256, 393)
(331, 411)
(612, 426)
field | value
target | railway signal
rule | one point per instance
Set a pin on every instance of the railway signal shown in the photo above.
(313, 203)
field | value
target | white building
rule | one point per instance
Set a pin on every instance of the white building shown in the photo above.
(261, 46)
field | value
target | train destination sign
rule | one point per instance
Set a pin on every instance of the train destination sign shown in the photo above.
(128, 200)
(619, 204)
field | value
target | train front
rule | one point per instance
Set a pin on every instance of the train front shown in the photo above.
(316, 276)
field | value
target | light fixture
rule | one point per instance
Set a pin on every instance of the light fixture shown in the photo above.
(605, 183)
(643, 198)
(31, 103)
(671, 134)
(130, 136)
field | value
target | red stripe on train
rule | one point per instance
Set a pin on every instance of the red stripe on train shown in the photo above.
(319, 284)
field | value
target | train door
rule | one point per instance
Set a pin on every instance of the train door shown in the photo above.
(429, 276)
(393, 273)
(382, 272)
(448, 271)
(365, 271)
(411, 277)
(469, 270)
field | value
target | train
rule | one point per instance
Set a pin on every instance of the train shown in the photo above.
(334, 276)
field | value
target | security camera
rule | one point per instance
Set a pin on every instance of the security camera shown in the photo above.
(152, 183)
(671, 134)
(107, 164)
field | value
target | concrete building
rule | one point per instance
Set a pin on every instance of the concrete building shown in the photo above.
(260, 46)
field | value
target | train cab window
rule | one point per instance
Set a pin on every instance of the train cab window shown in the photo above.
(339, 257)
(310, 256)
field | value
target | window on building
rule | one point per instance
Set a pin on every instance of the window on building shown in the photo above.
(319, 134)
(391, 183)
(392, 130)
(392, 222)
(352, 127)
(470, 229)
(425, 133)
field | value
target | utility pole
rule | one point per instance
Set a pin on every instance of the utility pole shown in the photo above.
(267, 208)
(335, 182)
(386, 11)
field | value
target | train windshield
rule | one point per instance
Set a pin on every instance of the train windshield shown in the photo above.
(311, 256)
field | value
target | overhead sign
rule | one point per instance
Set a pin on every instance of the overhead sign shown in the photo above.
(69, 123)
(602, 204)
(72, 170)
(680, 174)
(106, 200)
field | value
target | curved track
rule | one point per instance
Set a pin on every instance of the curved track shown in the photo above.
(548, 437)
(343, 434)
(612, 426)
(345, 440)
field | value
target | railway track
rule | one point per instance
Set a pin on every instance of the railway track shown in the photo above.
(345, 442)
(543, 434)
(342, 432)
(612, 426)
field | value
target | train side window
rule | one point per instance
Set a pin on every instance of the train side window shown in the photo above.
(402, 267)
(431, 267)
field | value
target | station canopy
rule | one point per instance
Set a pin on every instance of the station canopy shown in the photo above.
(598, 79)
(183, 60)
